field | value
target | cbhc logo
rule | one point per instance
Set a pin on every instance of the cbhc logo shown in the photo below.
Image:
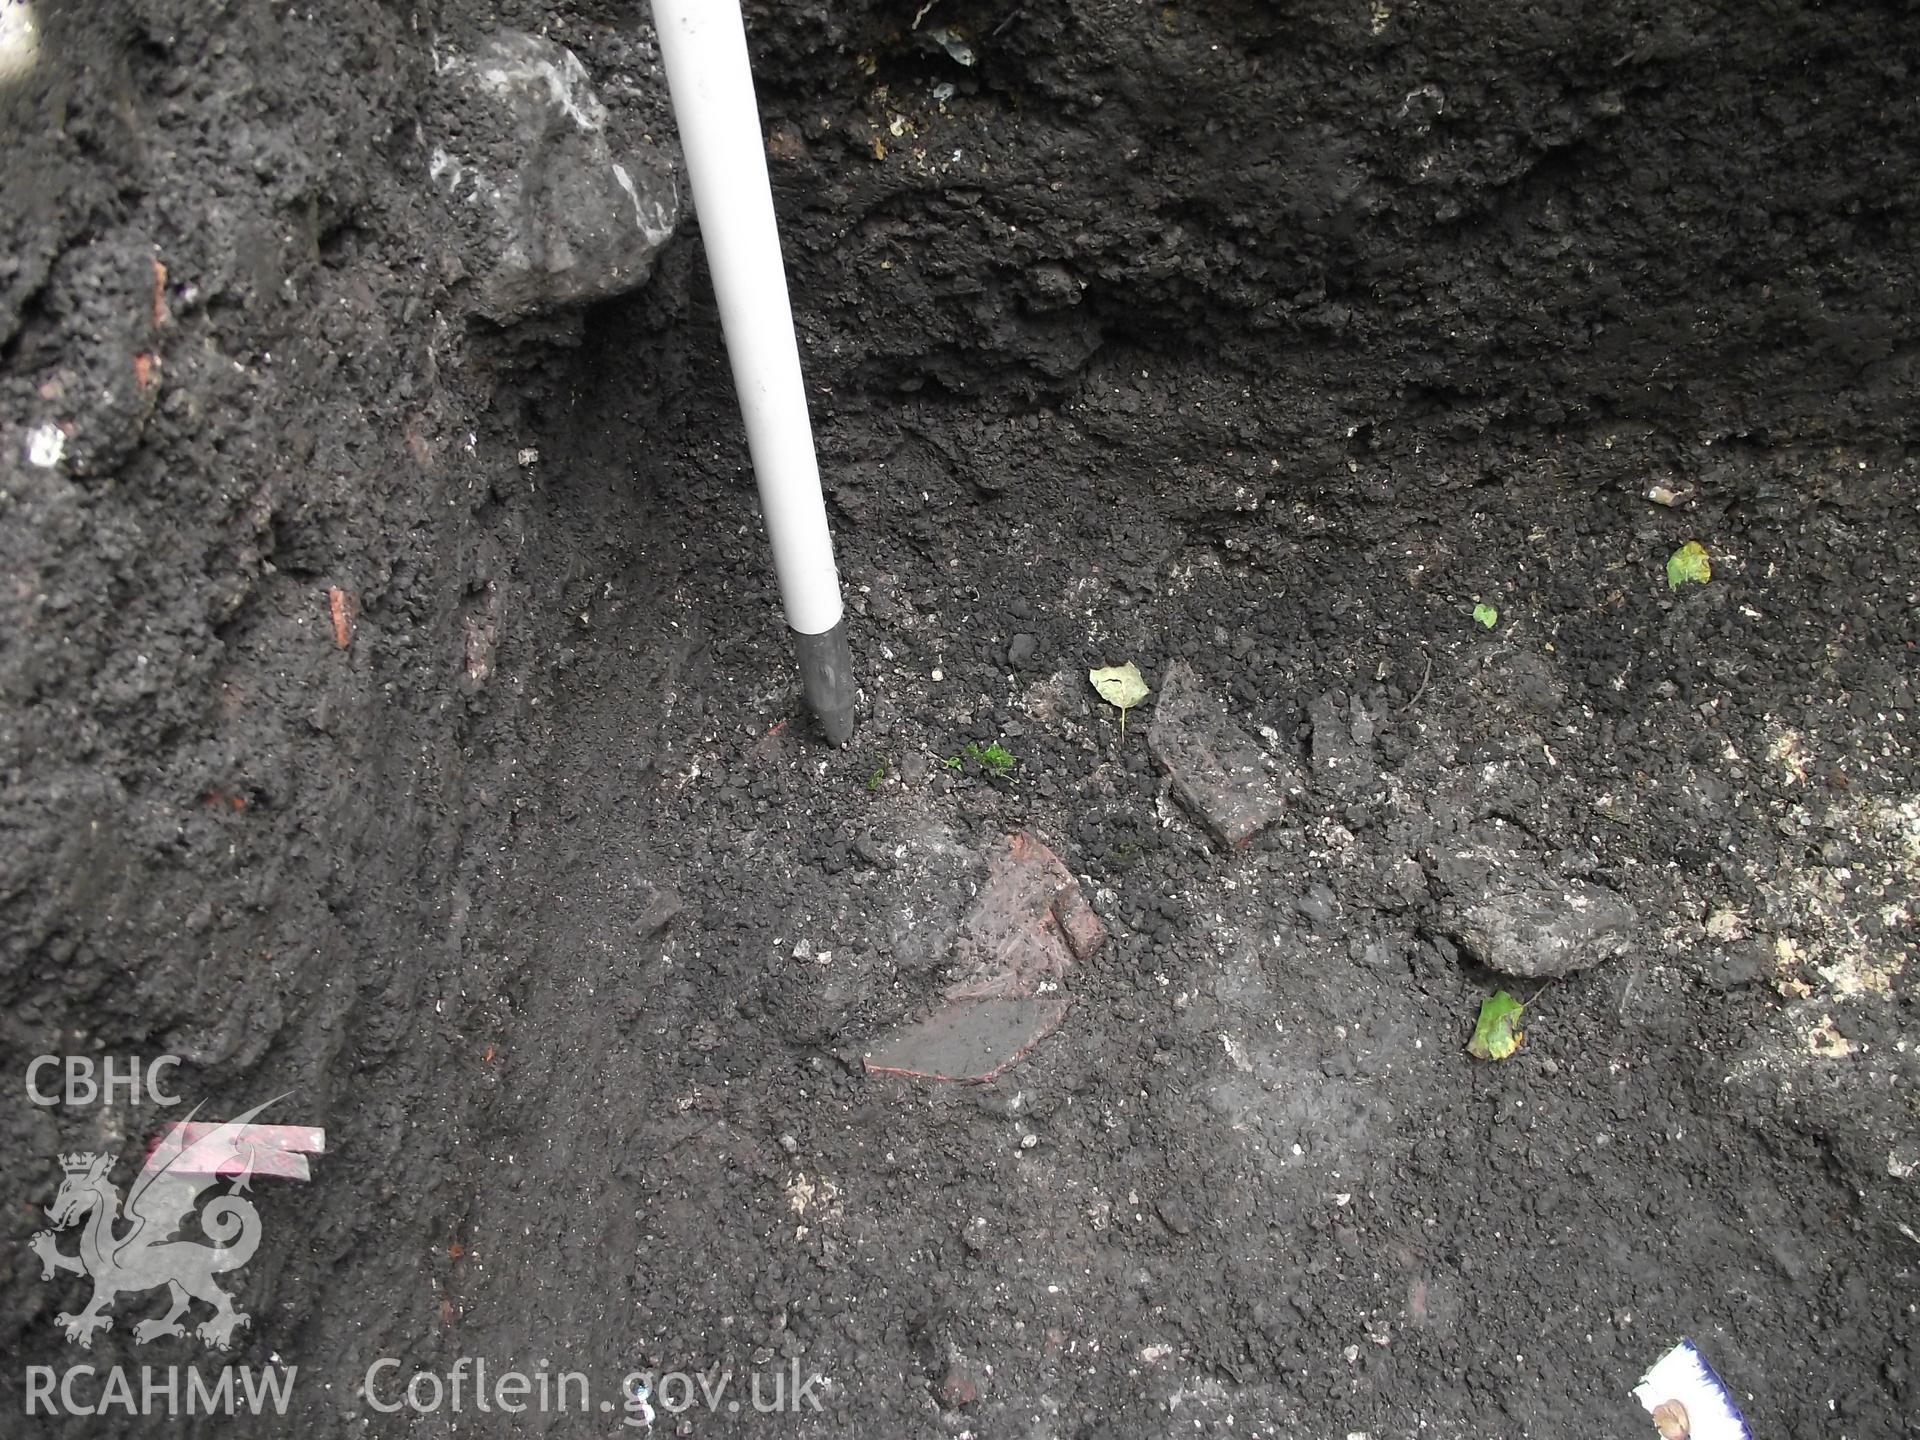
(82, 1080)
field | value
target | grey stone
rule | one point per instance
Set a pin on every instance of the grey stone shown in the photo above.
(1318, 905)
(1174, 1214)
(1379, 954)
(1405, 885)
(1218, 771)
(1362, 723)
(1742, 964)
(547, 214)
(661, 907)
(1512, 916)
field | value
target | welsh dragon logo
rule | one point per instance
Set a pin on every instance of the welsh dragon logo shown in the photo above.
(135, 1246)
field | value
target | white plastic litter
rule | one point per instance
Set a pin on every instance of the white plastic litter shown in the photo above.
(45, 445)
(1687, 1400)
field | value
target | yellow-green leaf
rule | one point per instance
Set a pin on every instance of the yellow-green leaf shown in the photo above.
(1121, 686)
(1689, 562)
(1495, 1035)
(1486, 614)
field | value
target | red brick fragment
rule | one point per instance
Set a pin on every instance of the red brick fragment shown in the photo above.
(958, 1390)
(340, 604)
(1218, 771)
(1082, 928)
(1026, 929)
(968, 1040)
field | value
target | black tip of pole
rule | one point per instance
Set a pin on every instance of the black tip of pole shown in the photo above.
(826, 673)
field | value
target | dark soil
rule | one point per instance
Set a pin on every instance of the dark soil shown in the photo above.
(1176, 333)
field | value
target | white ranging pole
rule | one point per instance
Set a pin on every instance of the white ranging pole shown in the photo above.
(704, 44)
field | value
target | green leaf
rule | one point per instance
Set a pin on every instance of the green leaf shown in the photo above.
(1689, 562)
(1494, 1035)
(1121, 686)
(1486, 614)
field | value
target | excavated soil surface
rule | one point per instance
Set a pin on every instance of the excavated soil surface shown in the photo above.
(1187, 336)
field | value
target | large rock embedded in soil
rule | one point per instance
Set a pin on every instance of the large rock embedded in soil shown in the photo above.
(1511, 915)
(549, 215)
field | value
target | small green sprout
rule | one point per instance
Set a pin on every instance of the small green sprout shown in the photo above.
(995, 759)
(1486, 614)
(878, 777)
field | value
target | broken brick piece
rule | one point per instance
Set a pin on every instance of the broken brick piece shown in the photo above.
(1012, 934)
(199, 1147)
(340, 607)
(1218, 771)
(959, 1389)
(1081, 927)
(1028, 926)
(968, 1040)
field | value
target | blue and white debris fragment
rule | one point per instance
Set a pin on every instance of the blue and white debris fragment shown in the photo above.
(1687, 1400)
